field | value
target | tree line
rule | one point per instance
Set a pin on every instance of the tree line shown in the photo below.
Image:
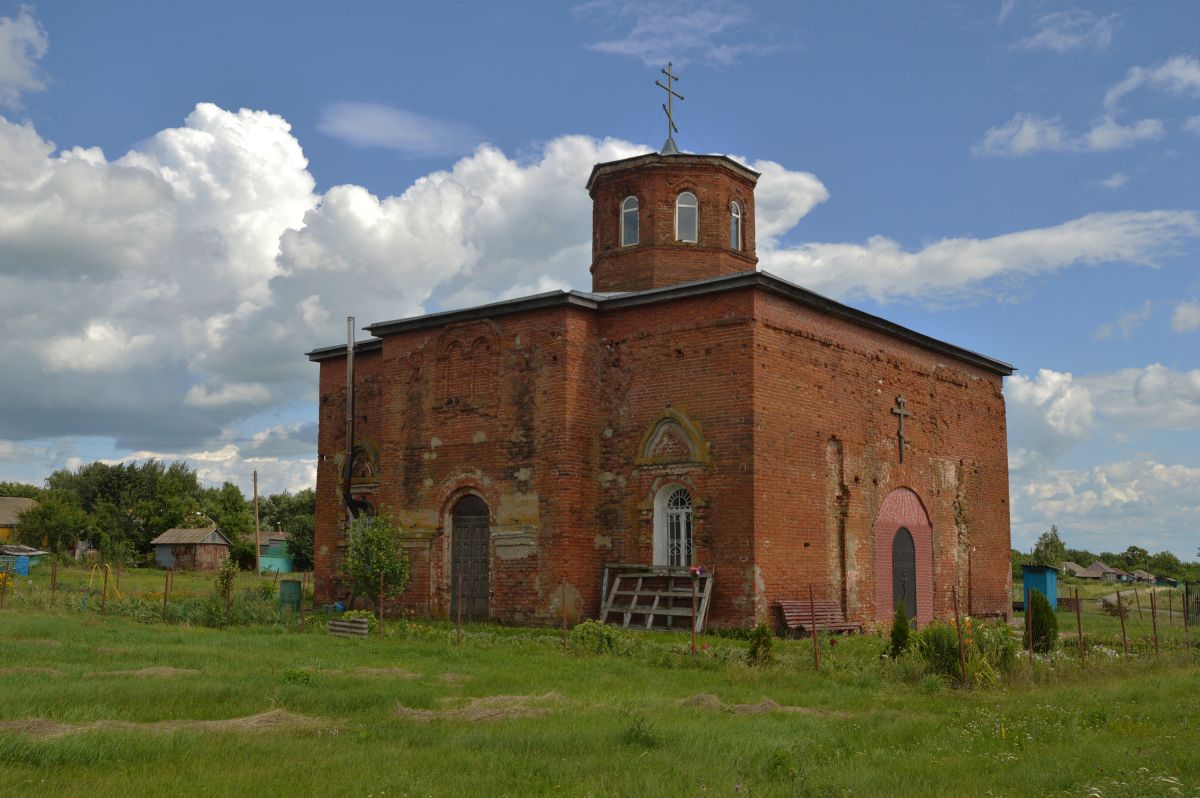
(119, 508)
(1051, 550)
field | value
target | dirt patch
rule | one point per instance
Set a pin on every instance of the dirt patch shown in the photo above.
(492, 707)
(146, 673)
(275, 720)
(19, 669)
(766, 705)
(106, 650)
(394, 673)
(455, 678)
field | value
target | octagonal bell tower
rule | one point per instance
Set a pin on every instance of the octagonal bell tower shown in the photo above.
(666, 218)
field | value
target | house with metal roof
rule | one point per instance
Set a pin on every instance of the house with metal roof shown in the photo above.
(200, 549)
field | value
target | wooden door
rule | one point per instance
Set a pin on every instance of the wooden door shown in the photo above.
(470, 560)
(904, 572)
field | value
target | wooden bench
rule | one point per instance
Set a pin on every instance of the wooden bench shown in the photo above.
(349, 627)
(799, 617)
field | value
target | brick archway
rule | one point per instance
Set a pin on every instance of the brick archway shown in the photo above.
(903, 509)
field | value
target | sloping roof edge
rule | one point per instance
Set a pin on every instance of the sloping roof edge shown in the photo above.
(610, 302)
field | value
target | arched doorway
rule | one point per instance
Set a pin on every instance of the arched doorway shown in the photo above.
(673, 527)
(470, 558)
(903, 557)
(904, 572)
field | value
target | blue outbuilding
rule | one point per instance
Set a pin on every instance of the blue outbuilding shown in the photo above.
(1043, 578)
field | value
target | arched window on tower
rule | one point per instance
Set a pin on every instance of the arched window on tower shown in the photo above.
(735, 225)
(687, 211)
(629, 221)
(673, 527)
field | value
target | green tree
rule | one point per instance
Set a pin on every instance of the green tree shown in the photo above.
(1049, 549)
(1041, 622)
(1133, 558)
(1165, 564)
(1018, 559)
(375, 550)
(58, 521)
(20, 490)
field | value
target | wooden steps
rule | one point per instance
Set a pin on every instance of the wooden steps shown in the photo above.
(654, 597)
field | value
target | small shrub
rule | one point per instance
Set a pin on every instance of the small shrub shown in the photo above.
(1041, 622)
(297, 676)
(638, 730)
(1111, 608)
(937, 644)
(997, 644)
(594, 637)
(761, 641)
(899, 640)
(263, 592)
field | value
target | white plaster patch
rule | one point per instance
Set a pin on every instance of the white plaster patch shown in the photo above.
(436, 442)
(479, 437)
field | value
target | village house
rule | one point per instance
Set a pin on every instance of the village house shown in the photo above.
(688, 410)
(199, 549)
(11, 508)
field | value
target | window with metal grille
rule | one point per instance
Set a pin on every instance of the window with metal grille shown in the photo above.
(677, 527)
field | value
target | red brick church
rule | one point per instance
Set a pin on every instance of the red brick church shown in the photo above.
(689, 409)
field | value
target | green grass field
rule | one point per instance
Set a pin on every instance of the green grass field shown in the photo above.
(98, 705)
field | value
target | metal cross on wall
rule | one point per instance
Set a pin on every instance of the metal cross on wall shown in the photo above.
(669, 147)
(900, 411)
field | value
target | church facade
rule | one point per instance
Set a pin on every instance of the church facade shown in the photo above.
(688, 410)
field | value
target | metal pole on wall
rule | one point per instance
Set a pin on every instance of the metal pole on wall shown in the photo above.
(1121, 613)
(564, 613)
(812, 621)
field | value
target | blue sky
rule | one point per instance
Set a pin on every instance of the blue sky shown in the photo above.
(190, 196)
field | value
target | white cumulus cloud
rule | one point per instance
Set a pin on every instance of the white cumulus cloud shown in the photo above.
(23, 42)
(1186, 317)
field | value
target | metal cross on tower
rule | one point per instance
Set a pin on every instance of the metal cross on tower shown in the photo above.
(899, 410)
(669, 147)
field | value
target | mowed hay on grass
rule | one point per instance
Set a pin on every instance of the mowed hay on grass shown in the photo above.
(274, 720)
(492, 707)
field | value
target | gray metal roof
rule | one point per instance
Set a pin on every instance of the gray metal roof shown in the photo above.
(11, 508)
(179, 537)
(714, 285)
